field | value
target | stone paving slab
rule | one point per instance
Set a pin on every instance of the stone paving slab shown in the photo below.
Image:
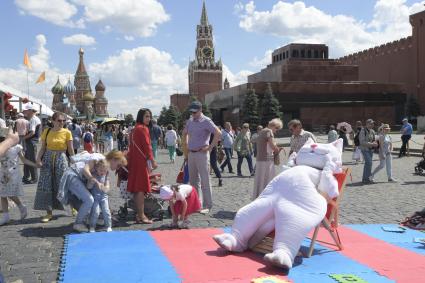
(30, 251)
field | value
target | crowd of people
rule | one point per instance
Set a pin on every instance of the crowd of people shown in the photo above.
(74, 160)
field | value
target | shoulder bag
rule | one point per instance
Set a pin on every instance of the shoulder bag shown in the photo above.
(148, 162)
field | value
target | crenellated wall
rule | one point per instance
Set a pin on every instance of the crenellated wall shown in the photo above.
(401, 61)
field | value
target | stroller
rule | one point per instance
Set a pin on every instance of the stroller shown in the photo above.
(154, 206)
(420, 167)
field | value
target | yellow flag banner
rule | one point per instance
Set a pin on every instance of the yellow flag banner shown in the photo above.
(27, 60)
(41, 78)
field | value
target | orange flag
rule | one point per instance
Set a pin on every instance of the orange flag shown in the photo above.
(41, 78)
(27, 60)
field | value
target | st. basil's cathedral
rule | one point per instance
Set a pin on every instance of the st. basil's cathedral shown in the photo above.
(77, 99)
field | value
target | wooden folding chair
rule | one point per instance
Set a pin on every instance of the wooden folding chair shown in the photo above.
(330, 222)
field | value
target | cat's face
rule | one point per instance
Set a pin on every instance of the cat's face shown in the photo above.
(318, 154)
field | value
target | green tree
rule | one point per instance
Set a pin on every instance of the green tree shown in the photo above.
(129, 119)
(270, 106)
(162, 114)
(250, 109)
(172, 116)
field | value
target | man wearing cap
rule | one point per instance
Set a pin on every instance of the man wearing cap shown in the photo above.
(406, 134)
(367, 144)
(31, 140)
(22, 126)
(197, 134)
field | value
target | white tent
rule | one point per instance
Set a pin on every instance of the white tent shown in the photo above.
(42, 108)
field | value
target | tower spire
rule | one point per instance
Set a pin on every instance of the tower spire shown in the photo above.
(204, 17)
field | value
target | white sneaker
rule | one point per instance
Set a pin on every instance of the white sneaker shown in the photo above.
(92, 230)
(109, 229)
(79, 227)
(5, 219)
(204, 211)
(24, 212)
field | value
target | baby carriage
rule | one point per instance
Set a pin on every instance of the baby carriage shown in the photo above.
(420, 167)
(154, 206)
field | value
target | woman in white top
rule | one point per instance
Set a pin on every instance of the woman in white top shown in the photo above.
(171, 141)
(385, 158)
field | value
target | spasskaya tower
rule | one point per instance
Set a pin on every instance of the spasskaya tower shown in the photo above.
(205, 73)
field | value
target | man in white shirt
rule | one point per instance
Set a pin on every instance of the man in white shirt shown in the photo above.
(22, 126)
(31, 140)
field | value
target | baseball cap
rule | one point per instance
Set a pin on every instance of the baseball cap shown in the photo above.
(165, 192)
(405, 119)
(20, 115)
(195, 106)
(370, 121)
(29, 106)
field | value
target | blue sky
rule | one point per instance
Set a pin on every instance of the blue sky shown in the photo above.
(141, 53)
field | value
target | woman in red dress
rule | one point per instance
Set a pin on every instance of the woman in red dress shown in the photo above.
(139, 156)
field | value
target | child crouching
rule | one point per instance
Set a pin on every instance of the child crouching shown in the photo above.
(99, 187)
(183, 200)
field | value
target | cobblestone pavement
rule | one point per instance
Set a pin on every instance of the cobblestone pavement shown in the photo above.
(30, 251)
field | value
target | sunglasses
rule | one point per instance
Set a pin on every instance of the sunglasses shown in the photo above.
(60, 121)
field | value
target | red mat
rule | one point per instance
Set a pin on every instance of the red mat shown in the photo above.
(388, 260)
(187, 251)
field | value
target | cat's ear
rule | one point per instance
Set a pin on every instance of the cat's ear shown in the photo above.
(338, 144)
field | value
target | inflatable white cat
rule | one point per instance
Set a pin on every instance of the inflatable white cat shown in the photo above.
(292, 204)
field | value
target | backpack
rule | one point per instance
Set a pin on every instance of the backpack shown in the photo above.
(87, 138)
(357, 139)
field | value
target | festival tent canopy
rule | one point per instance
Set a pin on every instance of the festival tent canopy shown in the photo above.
(41, 108)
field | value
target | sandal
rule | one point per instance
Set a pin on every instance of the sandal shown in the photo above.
(143, 221)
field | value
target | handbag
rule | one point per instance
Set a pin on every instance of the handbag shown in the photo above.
(179, 152)
(180, 175)
(148, 162)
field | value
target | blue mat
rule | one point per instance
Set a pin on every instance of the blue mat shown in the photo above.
(131, 256)
(403, 240)
(325, 261)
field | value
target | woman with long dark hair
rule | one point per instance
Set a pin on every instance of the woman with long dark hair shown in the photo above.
(140, 162)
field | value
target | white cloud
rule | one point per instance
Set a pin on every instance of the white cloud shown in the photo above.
(129, 37)
(151, 71)
(17, 77)
(58, 12)
(79, 39)
(297, 22)
(262, 62)
(130, 17)
(240, 77)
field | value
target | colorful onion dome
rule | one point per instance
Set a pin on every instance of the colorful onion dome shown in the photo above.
(57, 88)
(69, 87)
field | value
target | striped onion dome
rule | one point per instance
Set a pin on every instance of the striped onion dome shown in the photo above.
(69, 87)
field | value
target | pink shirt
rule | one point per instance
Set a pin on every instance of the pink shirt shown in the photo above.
(22, 126)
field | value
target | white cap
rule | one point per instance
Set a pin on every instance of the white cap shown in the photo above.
(29, 106)
(20, 115)
(165, 192)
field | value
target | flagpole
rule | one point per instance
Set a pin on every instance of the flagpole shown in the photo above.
(28, 86)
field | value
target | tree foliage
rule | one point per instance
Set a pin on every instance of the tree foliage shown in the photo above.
(269, 106)
(129, 119)
(250, 109)
(169, 116)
